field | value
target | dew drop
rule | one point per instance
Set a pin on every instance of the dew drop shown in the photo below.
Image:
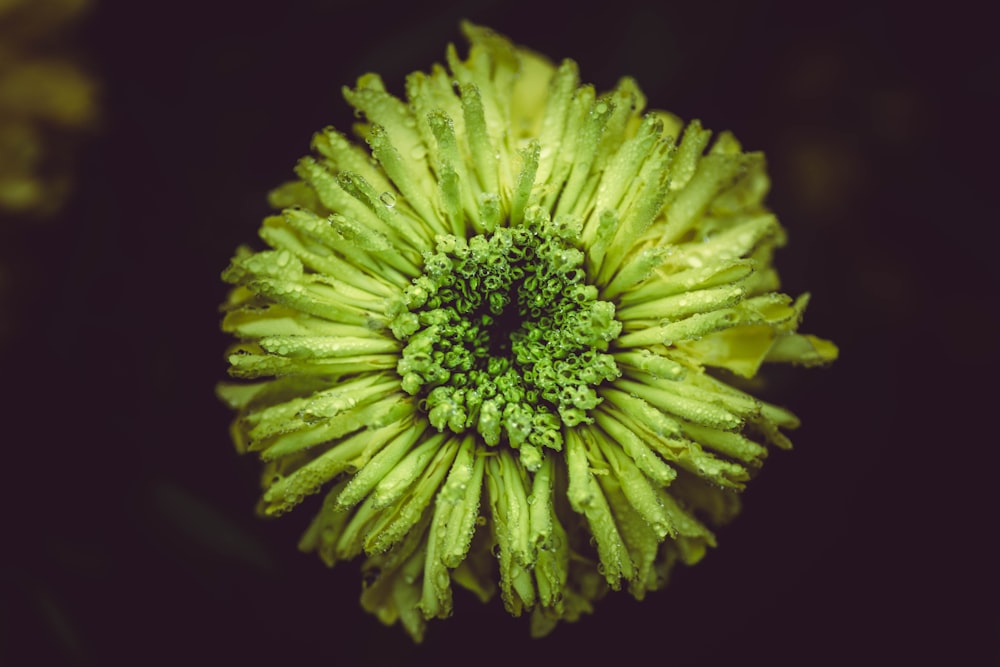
(388, 199)
(309, 417)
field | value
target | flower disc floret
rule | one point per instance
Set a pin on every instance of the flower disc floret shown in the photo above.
(504, 336)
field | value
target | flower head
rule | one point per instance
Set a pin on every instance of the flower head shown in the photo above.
(504, 339)
(48, 102)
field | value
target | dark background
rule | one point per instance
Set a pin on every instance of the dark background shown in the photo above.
(129, 535)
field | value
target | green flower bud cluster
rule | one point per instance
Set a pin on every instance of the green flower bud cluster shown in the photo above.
(503, 335)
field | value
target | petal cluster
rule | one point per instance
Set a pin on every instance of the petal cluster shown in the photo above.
(506, 338)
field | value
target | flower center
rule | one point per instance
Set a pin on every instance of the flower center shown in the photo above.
(503, 335)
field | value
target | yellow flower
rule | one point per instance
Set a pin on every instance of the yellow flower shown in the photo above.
(47, 102)
(504, 340)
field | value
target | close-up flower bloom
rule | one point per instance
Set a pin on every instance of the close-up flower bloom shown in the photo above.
(510, 340)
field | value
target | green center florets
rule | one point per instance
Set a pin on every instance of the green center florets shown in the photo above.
(503, 335)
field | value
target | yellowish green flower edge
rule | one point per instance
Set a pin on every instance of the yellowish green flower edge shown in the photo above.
(505, 339)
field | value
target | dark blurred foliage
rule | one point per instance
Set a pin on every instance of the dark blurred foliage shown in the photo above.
(129, 533)
(47, 103)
